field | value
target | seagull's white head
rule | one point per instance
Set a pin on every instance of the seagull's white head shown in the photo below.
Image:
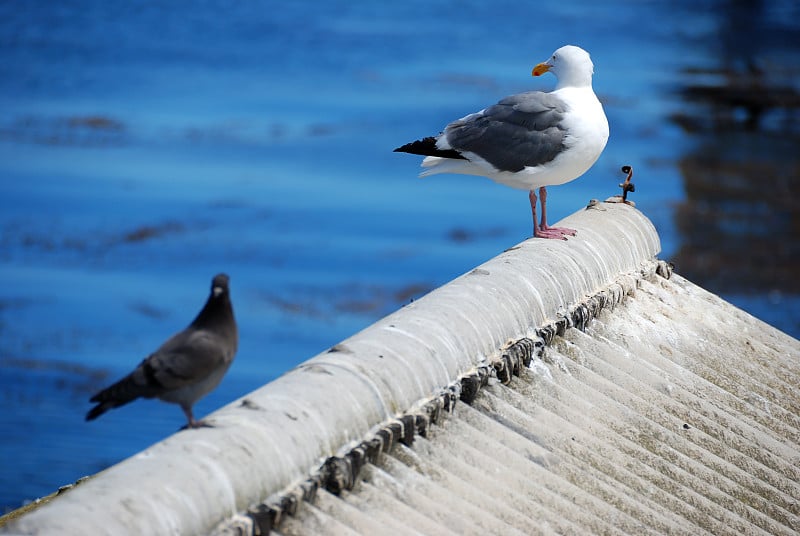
(571, 65)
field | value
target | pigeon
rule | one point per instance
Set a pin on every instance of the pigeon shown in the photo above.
(530, 140)
(189, 365)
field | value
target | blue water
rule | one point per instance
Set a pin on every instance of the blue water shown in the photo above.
(146, 146)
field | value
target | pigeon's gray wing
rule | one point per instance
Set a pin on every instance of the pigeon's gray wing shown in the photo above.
(520, 130)
(187, 358)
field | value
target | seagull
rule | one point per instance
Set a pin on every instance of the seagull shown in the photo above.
(188, 366)
(530, 140)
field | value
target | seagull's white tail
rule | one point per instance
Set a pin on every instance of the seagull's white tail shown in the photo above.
(436, 164)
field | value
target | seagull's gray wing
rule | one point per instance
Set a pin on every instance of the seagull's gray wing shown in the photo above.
(520, 130)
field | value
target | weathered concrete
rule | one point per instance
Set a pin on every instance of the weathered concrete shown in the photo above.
(339, 411)
(671, 413)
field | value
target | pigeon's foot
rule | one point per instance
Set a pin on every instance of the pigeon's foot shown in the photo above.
(196, 424)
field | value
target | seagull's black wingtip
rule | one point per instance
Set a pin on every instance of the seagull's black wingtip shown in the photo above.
(413, 148)
(427, 147)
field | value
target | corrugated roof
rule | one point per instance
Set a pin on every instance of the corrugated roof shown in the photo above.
(674, 412)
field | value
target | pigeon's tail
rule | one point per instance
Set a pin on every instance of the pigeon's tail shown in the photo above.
(119, 394)
(96, 411)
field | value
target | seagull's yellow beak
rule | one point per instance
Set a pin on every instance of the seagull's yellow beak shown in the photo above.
(540, 69)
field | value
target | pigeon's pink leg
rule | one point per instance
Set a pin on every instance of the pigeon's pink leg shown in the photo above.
(543, 231)
(559, 232)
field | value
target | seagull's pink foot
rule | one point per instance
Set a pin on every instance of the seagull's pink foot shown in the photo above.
(564, 231)
(549, 233)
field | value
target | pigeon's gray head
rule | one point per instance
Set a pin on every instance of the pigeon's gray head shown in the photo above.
(219, 285)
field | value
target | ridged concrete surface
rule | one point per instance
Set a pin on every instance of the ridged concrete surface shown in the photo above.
(675, 413)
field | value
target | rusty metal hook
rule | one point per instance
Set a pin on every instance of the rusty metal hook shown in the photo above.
(627, 186)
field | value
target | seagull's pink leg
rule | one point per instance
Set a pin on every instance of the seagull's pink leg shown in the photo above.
(539, 232)
(532, 197)
(559, 232)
